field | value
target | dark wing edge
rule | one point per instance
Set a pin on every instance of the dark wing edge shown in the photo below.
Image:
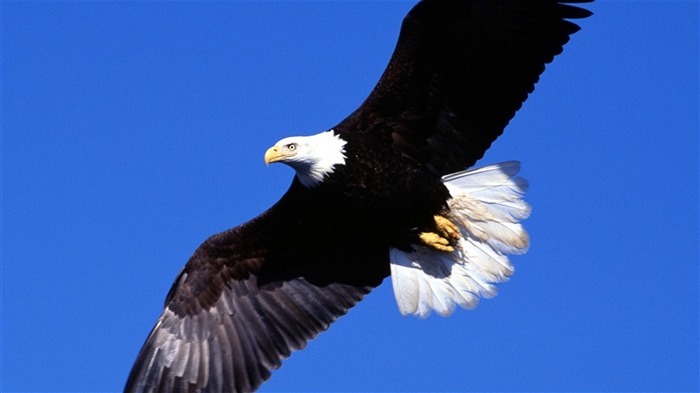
(459, 73)
(234, 345)
(232, 316)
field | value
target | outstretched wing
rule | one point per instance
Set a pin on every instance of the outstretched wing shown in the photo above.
(460, 71)
(251, 295)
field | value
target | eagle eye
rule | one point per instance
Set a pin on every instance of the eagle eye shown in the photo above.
(292, 146)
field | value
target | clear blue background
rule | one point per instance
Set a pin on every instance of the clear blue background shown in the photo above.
(131, 131)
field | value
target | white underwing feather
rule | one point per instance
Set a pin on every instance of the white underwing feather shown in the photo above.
(486, 206)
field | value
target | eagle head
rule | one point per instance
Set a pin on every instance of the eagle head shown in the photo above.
(312, 157)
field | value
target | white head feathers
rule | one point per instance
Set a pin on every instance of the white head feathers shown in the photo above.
(312, 157)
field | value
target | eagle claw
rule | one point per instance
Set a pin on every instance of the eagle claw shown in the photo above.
(446, 227)
(432, 239)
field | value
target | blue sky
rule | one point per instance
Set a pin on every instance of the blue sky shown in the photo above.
(131, 131)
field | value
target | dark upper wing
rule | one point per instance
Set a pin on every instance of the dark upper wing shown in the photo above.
(460, 71)
(250, 296)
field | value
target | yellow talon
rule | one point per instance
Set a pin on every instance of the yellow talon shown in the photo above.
(432, 239)
(446, 227)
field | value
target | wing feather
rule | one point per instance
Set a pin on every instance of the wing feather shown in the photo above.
(458, 74)
(243, 303)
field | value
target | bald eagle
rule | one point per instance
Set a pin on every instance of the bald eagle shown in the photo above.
(382, 193)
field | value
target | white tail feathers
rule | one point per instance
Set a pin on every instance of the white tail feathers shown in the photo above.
(486, 206)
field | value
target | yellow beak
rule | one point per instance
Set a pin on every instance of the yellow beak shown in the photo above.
(272, 155)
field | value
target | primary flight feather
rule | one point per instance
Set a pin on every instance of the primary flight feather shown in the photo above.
(384, 192)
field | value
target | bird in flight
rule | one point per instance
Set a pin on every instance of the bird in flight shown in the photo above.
(385, 192)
